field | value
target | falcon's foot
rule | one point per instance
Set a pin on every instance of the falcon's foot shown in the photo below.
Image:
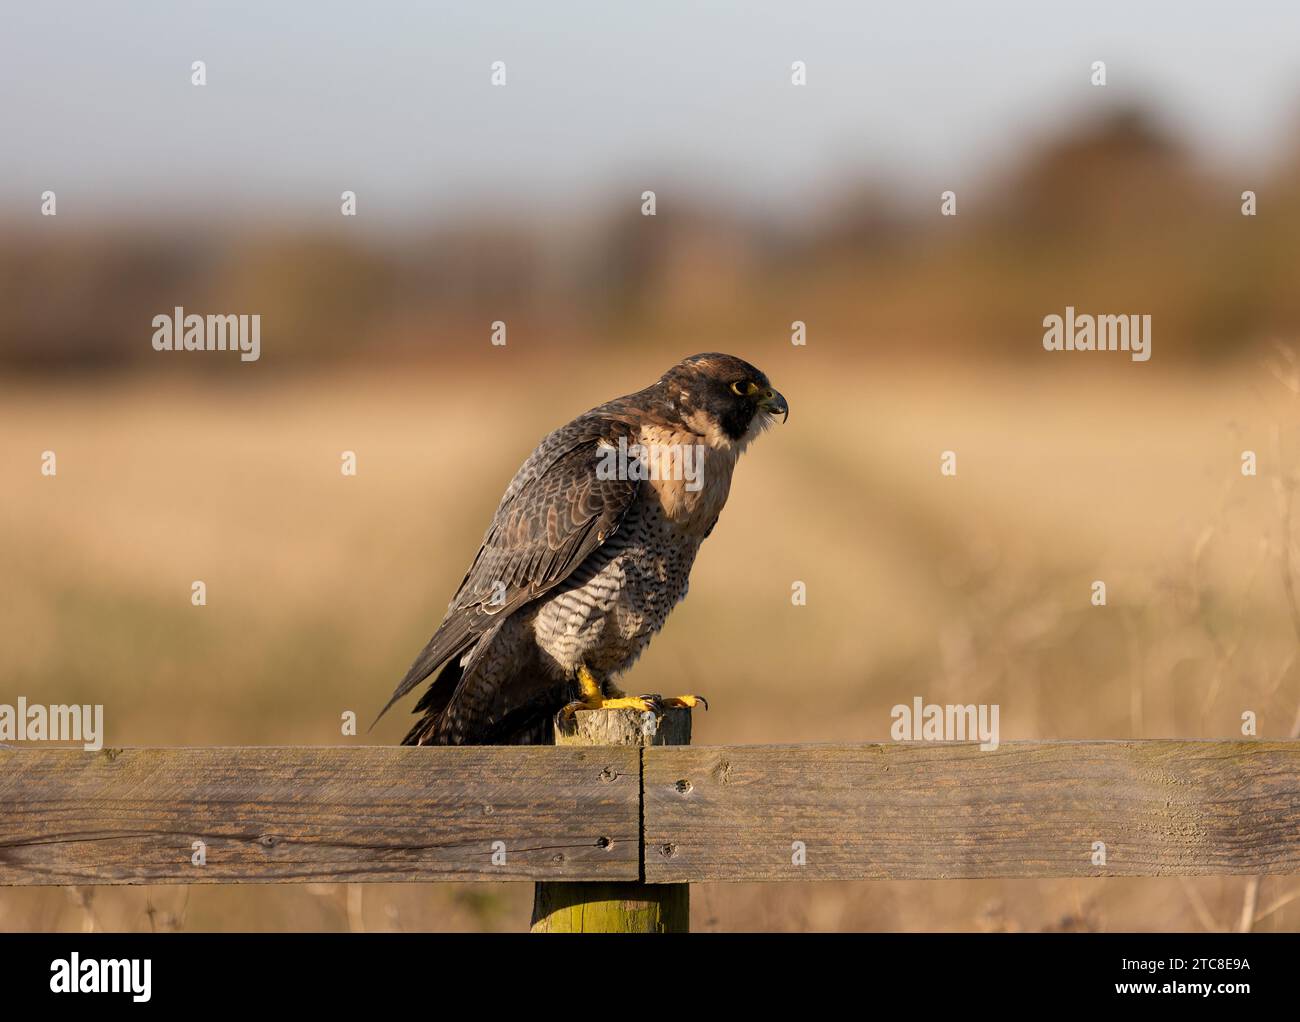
(660, 703)
(597, 696)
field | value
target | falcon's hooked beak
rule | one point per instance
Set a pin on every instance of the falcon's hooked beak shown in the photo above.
(774, 404)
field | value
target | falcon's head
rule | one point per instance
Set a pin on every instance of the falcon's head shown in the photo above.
(722, 397)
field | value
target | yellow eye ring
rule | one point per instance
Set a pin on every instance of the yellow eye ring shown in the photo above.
(745, 388)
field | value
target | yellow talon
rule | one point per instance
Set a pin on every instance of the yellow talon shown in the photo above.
(686, 702)
(627, 703)
(595, 695)
(591, 696)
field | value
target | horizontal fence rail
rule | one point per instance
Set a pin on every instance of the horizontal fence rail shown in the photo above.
(1026, 809)
(282, 815)
(662, 814)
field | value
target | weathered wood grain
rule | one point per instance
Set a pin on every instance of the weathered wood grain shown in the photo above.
(873, 811)
(1027, 809)
(281, 815)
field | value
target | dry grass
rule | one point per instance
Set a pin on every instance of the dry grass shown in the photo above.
(321, 588)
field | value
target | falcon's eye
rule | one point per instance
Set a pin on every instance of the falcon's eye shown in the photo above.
(745, 388)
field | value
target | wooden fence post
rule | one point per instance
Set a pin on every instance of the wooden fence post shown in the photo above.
(616, 906)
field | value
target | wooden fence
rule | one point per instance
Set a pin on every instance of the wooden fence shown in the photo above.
(657, 815)
(618, 819)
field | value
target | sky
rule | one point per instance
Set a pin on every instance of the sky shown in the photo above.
(394, 101)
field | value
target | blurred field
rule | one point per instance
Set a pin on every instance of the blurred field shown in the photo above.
(321, 588)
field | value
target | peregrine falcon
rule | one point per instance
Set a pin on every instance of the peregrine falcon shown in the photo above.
(588, 551)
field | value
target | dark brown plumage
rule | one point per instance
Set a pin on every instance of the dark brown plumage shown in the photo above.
(580, 569)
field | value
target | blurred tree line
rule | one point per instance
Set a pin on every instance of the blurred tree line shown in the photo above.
(1115, 217)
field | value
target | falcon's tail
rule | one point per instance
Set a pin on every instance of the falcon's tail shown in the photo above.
(433, 704)
(454, 712)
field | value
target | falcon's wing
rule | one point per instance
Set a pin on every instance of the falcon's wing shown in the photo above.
(555, 512)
